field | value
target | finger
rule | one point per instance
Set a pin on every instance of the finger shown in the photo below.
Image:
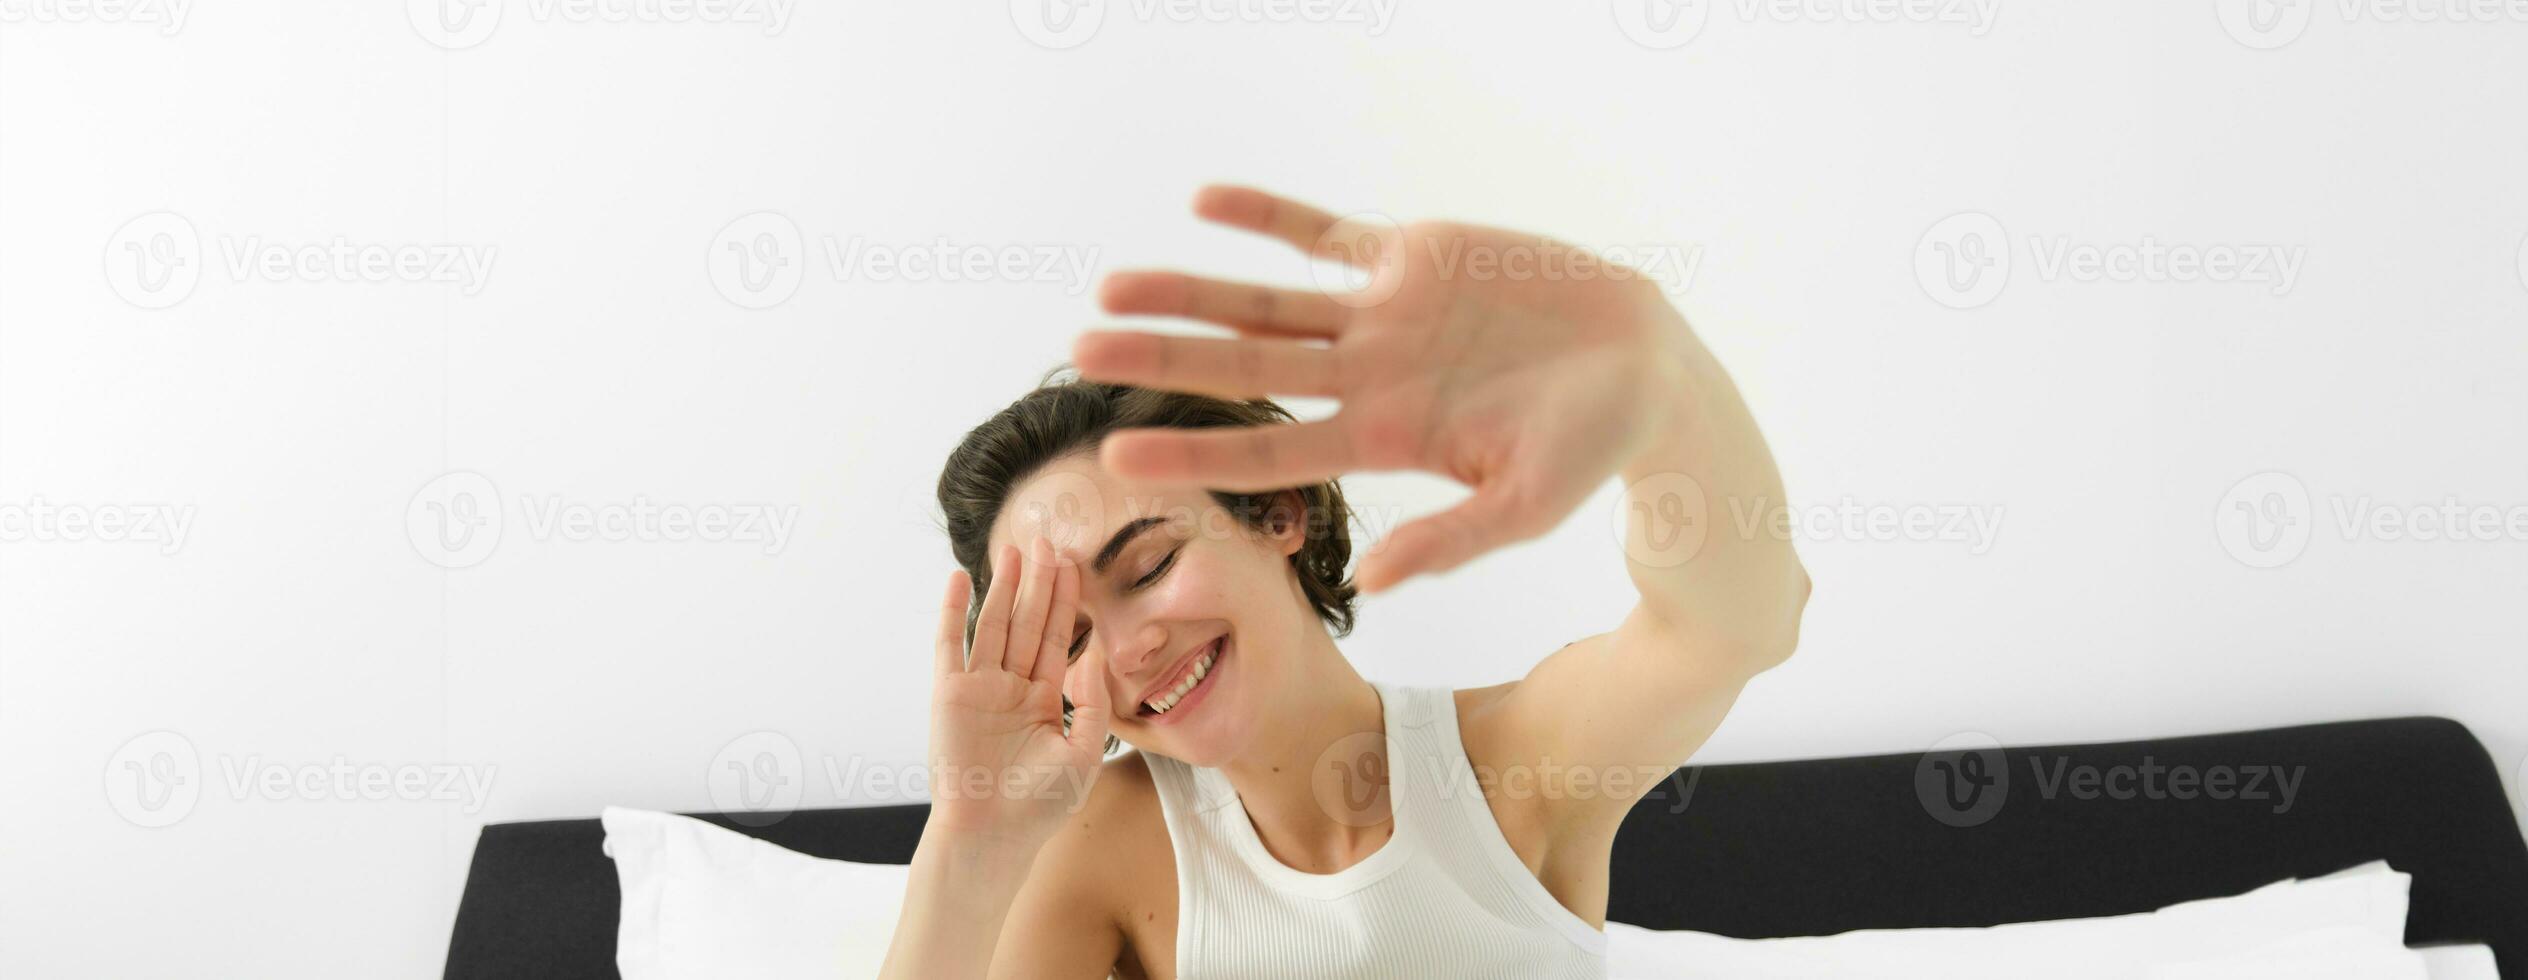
(951, 648)
(1060, 622)
(1219, 367)
(1245, 459)
(1253, 210)
(1035, 599)
(1085, 684)
(1248, 308)
(991, 625)
(1444, 540)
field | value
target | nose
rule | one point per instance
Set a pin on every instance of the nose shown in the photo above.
(1135, 649)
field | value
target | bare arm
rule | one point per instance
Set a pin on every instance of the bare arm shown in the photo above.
(1532, 372)
(1002, 764)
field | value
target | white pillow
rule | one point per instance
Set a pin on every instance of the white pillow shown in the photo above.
(2361, 909)
(700, 901)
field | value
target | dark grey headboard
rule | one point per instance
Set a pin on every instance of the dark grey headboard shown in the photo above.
(1826, 845)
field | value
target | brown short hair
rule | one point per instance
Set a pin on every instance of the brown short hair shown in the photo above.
(1064, 415)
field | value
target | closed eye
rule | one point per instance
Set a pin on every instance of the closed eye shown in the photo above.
(1079, 644)
(1164, 564)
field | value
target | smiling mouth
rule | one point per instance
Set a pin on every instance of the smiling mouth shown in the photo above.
(1188, 686)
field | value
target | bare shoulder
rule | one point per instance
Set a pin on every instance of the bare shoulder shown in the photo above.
(1107, 840)
(1114, 856)
(1496, 750)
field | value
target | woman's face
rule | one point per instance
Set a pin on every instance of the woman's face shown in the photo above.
(1169, 578)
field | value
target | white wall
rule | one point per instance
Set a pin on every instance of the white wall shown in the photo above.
(297, 424)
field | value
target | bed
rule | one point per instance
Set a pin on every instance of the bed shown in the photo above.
(1964, 836)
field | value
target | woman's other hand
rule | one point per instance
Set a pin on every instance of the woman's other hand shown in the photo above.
(1003, 768)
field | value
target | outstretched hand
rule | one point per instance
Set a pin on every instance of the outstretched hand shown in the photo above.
(1524, 368)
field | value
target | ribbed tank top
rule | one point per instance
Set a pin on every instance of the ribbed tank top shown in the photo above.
(1445, 896)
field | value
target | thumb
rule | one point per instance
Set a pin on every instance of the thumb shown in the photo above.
(1444, 540)
(1085, 684)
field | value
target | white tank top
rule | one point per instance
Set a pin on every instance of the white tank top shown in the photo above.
(1445, 896)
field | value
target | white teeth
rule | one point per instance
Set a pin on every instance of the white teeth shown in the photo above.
(1202, 668)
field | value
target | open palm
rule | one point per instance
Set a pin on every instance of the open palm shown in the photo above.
(1525, 368)
(1003, 763)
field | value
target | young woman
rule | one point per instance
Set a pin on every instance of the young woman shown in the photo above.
(1162, 556)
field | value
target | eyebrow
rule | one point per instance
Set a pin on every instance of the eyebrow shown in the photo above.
(1123, 536)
